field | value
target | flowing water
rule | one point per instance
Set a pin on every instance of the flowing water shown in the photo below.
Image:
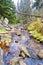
(32, 48)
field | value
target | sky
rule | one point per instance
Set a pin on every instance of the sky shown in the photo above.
(15, 1)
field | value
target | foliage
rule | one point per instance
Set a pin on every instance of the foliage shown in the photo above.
(37, 35)
(7, 9)
(37, 29)
(24, 7)
(2, 30)
(36, 4)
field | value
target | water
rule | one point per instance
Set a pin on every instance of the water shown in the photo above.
(15, 51)
(31, 61)
(33, 51)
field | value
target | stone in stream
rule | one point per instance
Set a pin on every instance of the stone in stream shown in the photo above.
(15, 60)
(22, 54)
(22, 63)
(18, 33)
(7, 38)
(8, 29)
(40, 54)
(23, 38)
(24, 49)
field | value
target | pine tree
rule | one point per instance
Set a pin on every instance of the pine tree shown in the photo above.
(7, 9)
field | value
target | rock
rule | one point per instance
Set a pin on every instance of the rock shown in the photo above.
(8, 29)
(8, 42)
(24, 49)
(40, 53)
(15, 60)
(6, 21)
(7, 38)
(3, 44)
(22, 63)
(18, 32)
(30, 32)
(23, 38)
(22, 54)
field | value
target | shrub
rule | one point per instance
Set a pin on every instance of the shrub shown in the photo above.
(37, 28)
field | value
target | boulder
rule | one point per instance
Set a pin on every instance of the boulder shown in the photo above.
(22, 54)
(6, 21)
(24, 49)
(22, 63)
(18, 32)
(15, 60)
(8, 29)
(40, 53)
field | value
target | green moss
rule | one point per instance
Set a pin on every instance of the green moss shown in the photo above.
(2, 30)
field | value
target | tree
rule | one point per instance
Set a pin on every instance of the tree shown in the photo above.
(7, 9)
(38, 4)
(24, 7)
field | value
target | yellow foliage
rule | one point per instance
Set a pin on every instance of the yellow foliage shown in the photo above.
(37, 28)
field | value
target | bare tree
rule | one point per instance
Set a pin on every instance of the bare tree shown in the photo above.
(24, 7)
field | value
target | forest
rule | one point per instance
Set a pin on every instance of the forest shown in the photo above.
(21, 32)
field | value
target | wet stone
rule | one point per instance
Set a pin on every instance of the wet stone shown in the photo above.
(22, 54)
(22, 63)
(18, 33)
(23, 38)
(40, 54)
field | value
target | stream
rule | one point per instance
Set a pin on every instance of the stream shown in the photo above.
(32, 47)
